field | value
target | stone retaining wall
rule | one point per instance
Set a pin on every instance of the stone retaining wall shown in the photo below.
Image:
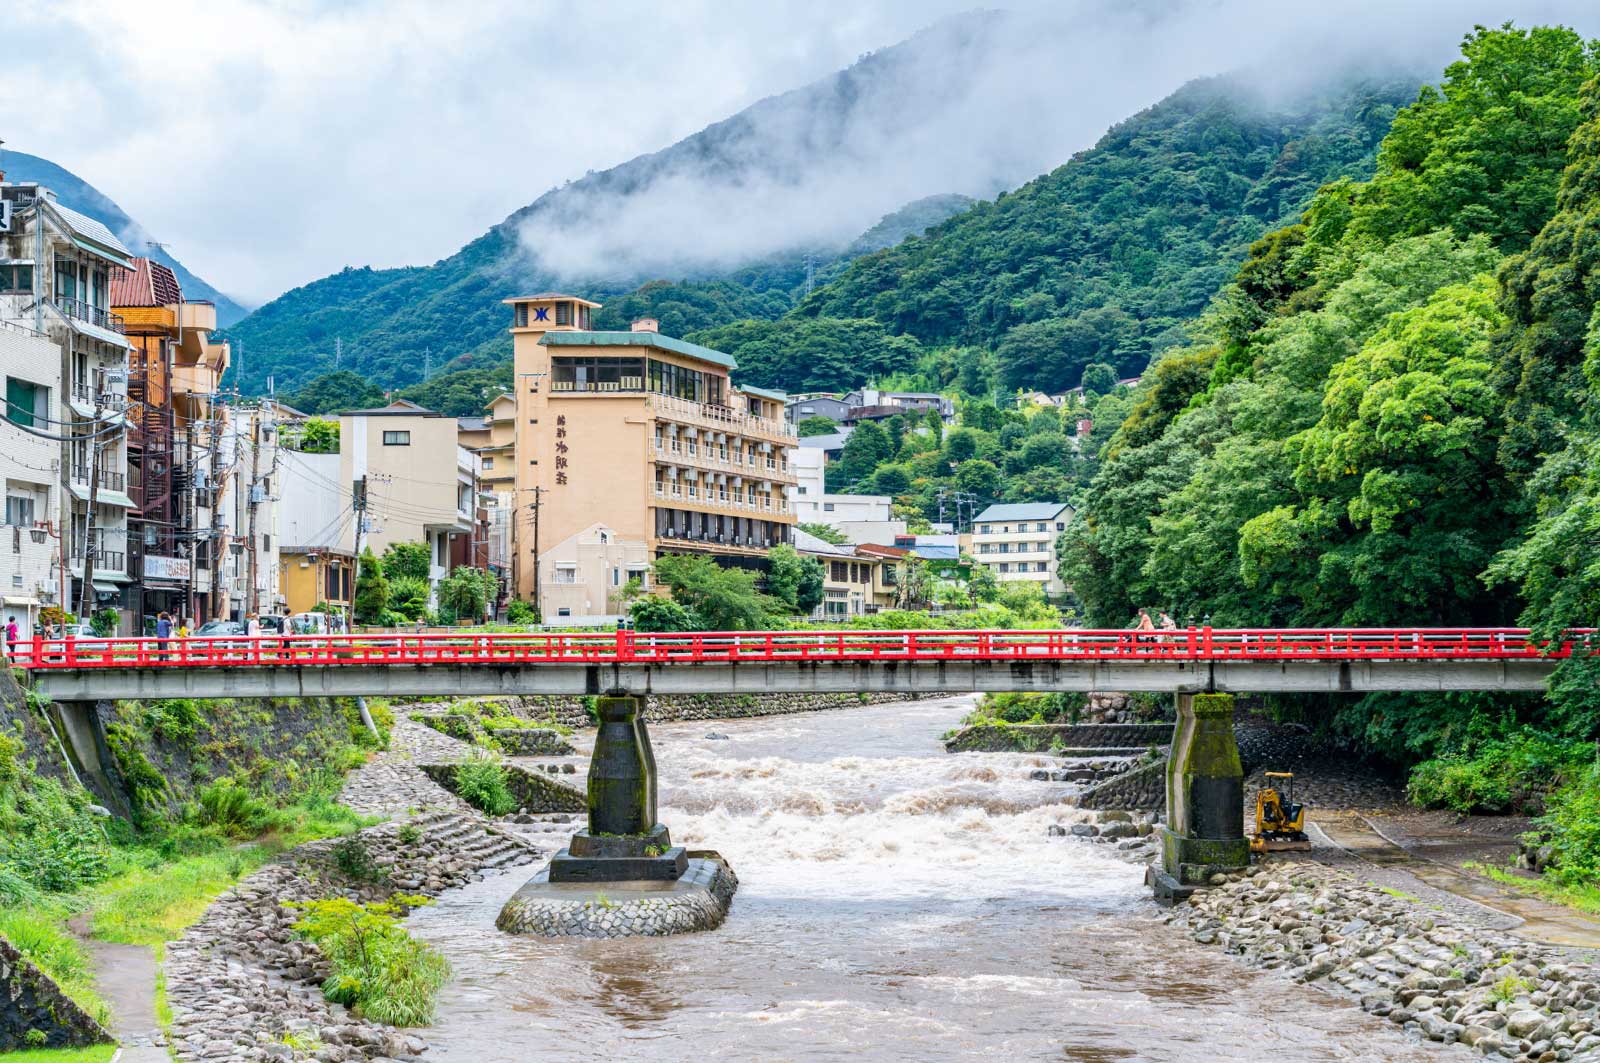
(30, 1001)
(1143, 789)
(534, 793)
(1034, 738)
(668, 708)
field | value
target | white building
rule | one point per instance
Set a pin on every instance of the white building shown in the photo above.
(1017, 542)
(67, 378)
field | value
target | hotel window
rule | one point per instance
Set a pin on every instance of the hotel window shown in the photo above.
(1004, 567)
(488, 463)
(1061, 526)
(563, 313)
(522, 315)
(397, 439)
(596, 374)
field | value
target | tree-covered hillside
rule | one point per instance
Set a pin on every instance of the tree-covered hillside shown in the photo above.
(1108, 257)
(1388, 418)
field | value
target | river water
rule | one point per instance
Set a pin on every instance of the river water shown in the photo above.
(895, 903)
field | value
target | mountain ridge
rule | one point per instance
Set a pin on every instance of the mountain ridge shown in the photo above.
(80, 195)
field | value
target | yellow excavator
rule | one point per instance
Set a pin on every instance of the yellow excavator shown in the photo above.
(1280, 823)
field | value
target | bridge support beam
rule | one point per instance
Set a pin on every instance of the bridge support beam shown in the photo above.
(1204, 834)
(86, 744)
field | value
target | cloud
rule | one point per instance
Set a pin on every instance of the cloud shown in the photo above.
(271, 142)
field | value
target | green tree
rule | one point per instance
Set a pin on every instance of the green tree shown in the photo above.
(816, 426)
(652, 613)
(724, 599)
(372, 590)
(794, 579)
(466, 592)
(935, 422)
(867, 448)
(891, 480)
(319, 436)
(408, 595)
(962, 445)
(413, 560)
(982, 585)
(1099, 378)
(336, 392)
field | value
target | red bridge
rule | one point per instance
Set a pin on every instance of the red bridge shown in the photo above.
(1261, 660)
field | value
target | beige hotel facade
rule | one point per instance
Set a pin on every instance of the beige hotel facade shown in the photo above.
(634, 445)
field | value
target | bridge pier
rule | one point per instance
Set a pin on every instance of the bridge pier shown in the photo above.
(1204, 834)
(651, 887)
(86, 746)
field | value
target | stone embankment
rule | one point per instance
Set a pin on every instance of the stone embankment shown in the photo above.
(1074, 737)
(1427, 969)
(243, 987)
(672, 708)
(34, 1013)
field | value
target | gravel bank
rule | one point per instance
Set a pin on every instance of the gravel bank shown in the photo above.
(1424, 968)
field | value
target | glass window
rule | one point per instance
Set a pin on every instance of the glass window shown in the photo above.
(19, 510)
(23, 401)
(488, 463)
(397, 439)
(563, 313)
(16, 278)
(522, 315)
(597, 374)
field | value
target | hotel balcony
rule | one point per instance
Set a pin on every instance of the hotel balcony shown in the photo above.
(705, 455)
(110, 479)
(720, 418)
(703, 496)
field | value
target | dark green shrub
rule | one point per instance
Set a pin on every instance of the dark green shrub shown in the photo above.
(1573, 823)
(230, 808)
(519, 612)
(354, 860)
(481, 783)
(1512, 774)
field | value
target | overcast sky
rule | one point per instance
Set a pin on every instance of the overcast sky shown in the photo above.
(271, 143)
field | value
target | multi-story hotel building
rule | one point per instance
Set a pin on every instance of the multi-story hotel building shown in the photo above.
(1017, 542)
(632, 445)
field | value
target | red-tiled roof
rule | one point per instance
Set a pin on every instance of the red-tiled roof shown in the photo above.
(146, 284)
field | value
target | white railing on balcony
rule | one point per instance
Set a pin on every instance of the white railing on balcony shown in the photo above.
(724, 417)
(711, 496)
(721, 458)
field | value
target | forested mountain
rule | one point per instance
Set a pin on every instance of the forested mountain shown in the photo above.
(744, 214)
(1389, 416)
(80, 195)
(1108, 257)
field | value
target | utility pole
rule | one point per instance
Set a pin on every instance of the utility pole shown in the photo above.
(427, 364)
(86, 599)
(538, 596)
(358, 502)
(219, 544)
(338, 350)
(251, 600)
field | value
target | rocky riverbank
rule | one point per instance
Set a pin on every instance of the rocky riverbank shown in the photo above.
(1423, 967)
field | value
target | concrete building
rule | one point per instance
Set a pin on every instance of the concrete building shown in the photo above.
(871, 404)
(55, 290)
(315, 528)
(413, 480)
(871, 532)
(832, 407)
(247, 515)
(1017, 542)
(843, 509)
(641, 438)
(830, 446)
(493, 438)
(180, 472)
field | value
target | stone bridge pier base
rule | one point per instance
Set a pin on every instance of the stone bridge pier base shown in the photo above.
(90, 757)
(1204, 834)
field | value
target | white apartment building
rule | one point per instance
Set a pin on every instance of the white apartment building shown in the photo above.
(1017, 542)
(248, 513)
(66, 377)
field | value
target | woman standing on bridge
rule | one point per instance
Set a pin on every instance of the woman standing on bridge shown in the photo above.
(11, 635)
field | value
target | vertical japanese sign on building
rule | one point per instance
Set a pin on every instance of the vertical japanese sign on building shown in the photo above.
(561, 449)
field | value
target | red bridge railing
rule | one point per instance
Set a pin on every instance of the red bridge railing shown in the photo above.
(1190, 644)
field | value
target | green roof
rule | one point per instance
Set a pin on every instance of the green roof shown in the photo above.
(638, 339)
(765, 393)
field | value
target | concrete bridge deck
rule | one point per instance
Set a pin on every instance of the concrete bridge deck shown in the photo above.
(1336, 660)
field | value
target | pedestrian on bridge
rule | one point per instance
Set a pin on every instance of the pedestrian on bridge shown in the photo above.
(1144, 624)
(11, 636)
(163, 633)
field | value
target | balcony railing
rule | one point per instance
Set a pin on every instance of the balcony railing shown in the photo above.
(94, 315)
(104, 561)
(110, 480)
(721, 458)
(723, 417)
(88, 393)
(712, 496)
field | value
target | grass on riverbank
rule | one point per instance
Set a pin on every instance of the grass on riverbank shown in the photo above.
(152, 897)
(39, 931)
(92, 1054)
(1584, 897)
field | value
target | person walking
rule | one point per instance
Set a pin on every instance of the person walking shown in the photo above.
(1144, 624)
(163, 633)
(11, 636)
(252, 625)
